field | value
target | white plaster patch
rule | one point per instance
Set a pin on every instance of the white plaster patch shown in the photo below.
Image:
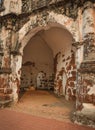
(88, 110)
(92, 90)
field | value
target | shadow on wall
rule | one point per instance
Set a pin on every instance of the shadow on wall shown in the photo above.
(27, 76)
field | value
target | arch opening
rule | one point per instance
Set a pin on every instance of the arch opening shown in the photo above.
(49, 62)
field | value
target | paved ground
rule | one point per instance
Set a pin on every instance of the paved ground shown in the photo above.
(44, 104)
(39, 110)
(12, 120)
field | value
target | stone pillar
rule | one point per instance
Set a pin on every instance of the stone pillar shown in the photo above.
(78, 48)
(86, 70)
(16, 62)
(5, 70)
(88, 36)
(11, 62)
(88, 30)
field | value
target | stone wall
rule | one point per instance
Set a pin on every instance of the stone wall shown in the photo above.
(86, 71)
(65, 82)
(78, 65)
(16, 41)
(85, 88)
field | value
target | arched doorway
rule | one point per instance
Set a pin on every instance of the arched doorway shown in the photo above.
(37, 62)
(48, 62)
(56, 42)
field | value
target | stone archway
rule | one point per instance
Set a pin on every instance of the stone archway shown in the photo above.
(78, 18)
(75, 29)
(35, 24)
(51, 19)
(67, 59)
(45, 21)
(19, 37)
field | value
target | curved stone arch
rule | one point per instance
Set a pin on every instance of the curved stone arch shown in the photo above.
(52, 20)
(33, 26)
(31, 33)
(29, 30)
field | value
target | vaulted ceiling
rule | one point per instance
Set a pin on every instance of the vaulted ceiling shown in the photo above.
(56, 38)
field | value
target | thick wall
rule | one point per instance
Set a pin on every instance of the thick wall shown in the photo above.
(65, 68)
(60, 42)
(36, 23)
(86, 75)
(88, 36)
(82, 29)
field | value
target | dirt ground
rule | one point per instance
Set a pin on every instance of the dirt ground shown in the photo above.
(44, 104)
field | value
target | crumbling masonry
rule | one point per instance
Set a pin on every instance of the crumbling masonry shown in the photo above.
(20, 20)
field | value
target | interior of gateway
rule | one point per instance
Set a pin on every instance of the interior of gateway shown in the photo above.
(47, 61)
(48, 67)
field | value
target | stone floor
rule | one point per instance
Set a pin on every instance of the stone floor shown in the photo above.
(12, 120)
(44, 104)
(39, 110)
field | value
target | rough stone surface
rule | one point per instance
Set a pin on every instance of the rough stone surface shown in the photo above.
(21, 20)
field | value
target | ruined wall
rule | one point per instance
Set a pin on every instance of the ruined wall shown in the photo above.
(88, 36)
(86, 86)
(79, 21)
(41, 57)
(46, 21)
(21, 33)
(5, 89)
(65, 82)
(9, 74)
